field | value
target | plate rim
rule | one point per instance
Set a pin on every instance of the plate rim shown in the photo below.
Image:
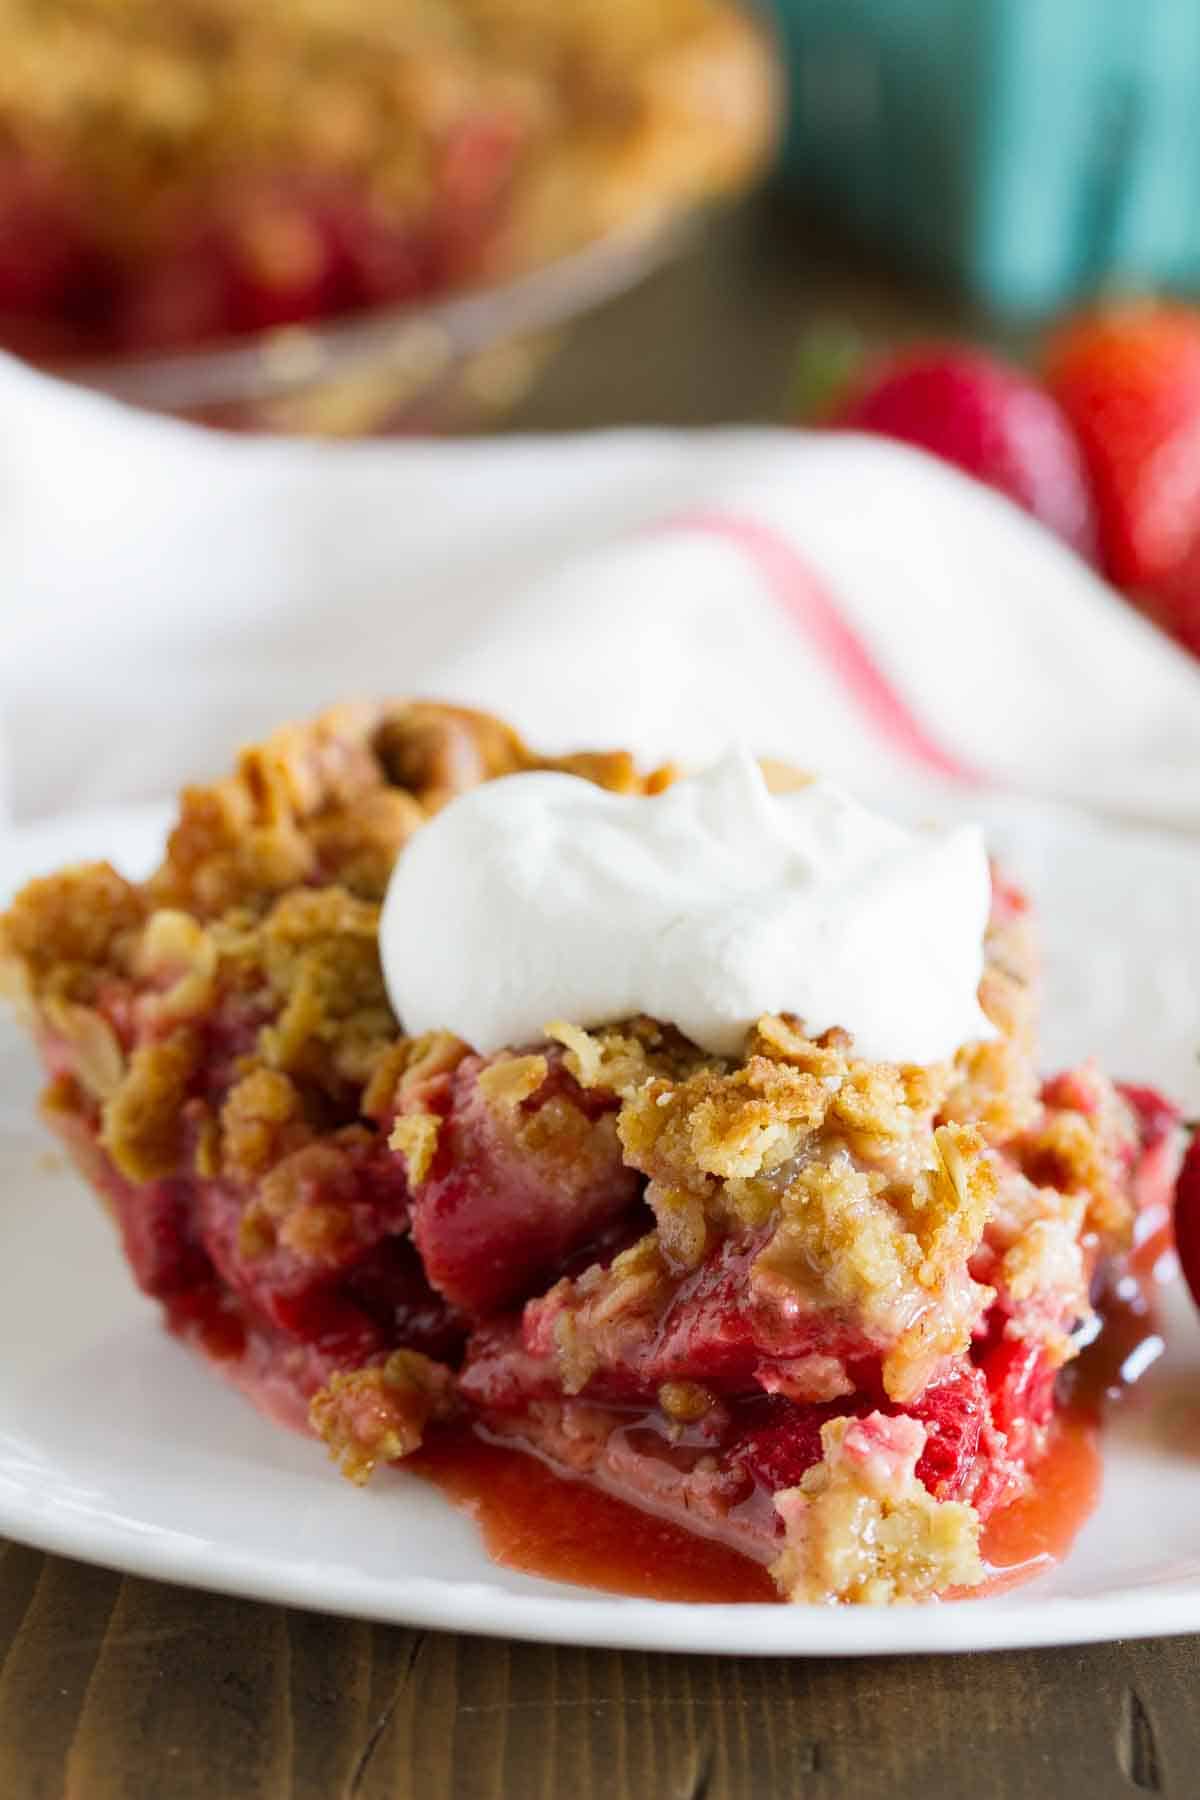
(620, 1622)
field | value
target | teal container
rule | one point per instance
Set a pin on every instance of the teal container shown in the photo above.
(1027, 150)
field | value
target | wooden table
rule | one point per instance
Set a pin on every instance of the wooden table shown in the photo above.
(119, 1689)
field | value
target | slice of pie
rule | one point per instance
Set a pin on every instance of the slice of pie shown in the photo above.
(811, 1305)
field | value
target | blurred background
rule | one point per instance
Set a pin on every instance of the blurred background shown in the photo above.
(353, 217)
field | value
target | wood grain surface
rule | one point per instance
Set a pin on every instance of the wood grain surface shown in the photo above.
(113, 1688)
(119, 1689)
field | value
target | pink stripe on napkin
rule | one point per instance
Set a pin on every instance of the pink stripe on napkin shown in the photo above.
(810, 603)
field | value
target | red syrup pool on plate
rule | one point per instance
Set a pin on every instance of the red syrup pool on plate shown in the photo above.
(536, 1521)
(541, 1523)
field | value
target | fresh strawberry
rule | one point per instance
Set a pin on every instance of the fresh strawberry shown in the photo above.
(1128, 378)
(1187, 1218)
(988, 419)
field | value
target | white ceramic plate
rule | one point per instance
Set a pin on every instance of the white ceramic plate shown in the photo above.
(116, 1446)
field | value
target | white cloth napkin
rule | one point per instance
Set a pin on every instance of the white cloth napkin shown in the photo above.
(166, 593)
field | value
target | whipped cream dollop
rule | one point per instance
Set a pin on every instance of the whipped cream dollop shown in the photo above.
(541, 897)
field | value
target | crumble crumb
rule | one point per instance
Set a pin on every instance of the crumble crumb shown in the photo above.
(379, 1414)
(622, 1058)
(262, 1121)
(409, 1071)
(99, 1059)
(143, 1117)
(685, 1401)
(415, 1136)
(862, 1529)
(511, 1080)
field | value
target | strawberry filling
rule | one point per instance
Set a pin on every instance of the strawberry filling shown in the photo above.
(704, 1408)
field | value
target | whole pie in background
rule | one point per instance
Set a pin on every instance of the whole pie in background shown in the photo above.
(174, 172)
